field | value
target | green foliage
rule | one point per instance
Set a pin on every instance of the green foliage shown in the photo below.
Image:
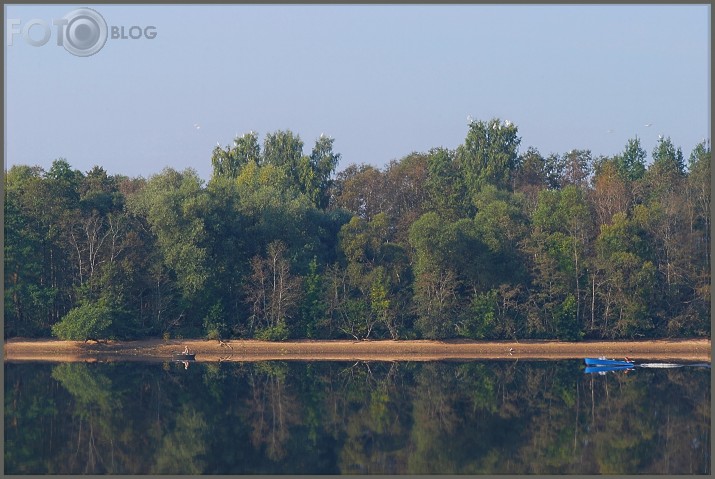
(64, 183)
(667, 159)
(502, 225)
(313, 308)
(356, 318)
(271, 208)
(282, 148)
(173, 203)
(481, 317)
(361, 241)
(88, 320)
(215, 323)
(558, 245)
(274, 292)
(446, 185)
(566, 320)
(430, 238)
(535, 173)
(631, 163)
(489, 154)
(623, 255)
(278, 332)
(229, 162)
(26, 297)
(99, 192)
(380, 300)
(478, 241)
(562, 211)
(435, 282)
(316, 170)
(374, 269)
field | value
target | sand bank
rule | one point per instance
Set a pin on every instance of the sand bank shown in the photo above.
(19, 349)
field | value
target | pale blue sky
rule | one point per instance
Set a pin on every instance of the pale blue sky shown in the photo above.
(382, 80)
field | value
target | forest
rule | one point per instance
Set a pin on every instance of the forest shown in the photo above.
(484, 241)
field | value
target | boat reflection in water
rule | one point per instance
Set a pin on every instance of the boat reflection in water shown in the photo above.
(602, 365)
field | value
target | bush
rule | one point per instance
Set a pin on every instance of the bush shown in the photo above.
(278, 332)
(89, 320)
(214, 326)
(481, 316)
(567, 327)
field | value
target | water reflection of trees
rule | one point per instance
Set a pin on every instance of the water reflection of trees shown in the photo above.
(274, 409)
(96, 409)
(377, 421)
(354, 418)
(183, 449)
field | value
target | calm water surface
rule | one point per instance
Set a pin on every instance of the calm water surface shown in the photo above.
(496, 417)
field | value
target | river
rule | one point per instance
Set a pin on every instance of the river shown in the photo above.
(301, 417)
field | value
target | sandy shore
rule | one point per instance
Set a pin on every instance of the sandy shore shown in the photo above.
(19, 349)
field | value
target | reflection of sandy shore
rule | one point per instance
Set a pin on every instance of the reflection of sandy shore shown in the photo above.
(250, 350)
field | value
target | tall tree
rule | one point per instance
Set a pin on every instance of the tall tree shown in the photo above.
(561, 230)
(229, 161)
(446, 185)
(317, 170)
(699, 198)
(99, 192)
(532, 175)
(313, 308)
(667, 159)
(436, 281)
(698, 187)
(576, 168)
(273, 293)
(174, 204)
(406, 194)
(610, 192)
(33, 280)
(360, 190)
(376, 268)
(631, 163)
(489, 154)
(282, 148)
(627, 294)
(65, 183)
(665, 219)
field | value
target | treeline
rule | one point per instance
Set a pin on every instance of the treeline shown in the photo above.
(479, 242)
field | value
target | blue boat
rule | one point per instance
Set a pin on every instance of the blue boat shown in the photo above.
(607, 362)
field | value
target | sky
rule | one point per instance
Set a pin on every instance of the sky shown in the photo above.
(382, 80)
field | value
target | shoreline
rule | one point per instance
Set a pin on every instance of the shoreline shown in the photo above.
(238, 350)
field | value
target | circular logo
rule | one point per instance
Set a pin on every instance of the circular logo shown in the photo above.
(85, 32)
